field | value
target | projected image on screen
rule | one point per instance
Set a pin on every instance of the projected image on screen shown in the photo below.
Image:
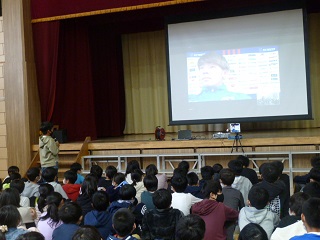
(234, 74)
(235, 69)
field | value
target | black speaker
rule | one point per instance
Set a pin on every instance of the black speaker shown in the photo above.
(60, 135)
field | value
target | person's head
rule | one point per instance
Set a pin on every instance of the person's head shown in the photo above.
(192, 179)
(10, 196)
(213, 69)
(131, 166)
(191, 227)
(179, 172)
(70, 177)
(123, 222)
(258, 197)
(118, 178)
(185, 165)
(44, 191)
(89, 186)
(17, 184)
(279, 165)
(110, 172)
(31, 236)
(162, 198)
(54, 202)
(100, 201)
(150, 182)
(127, 192)
(46, 128)
(136, 177)
(13, 169)
(14, 176)
(295, 203)
(310, 214)
(33, 174)
(236, 166)
(76, 167)
(245, 160)
(70, 212)
(312, 189)
(212, 190)
(96, 170)
(227, 176)
(151, 169)
(315, 175)
(216, 168)
(49, 174)
(261, 167)
(179, 183)
(270, 173)
(315, 162)
(206, 173)
(87, 232)
(253, 231)
(10, 216)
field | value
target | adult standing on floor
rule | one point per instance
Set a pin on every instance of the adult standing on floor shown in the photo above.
(49, 147)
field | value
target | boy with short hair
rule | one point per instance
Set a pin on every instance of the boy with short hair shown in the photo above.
(31, 187)
(151, 184)
(257, 211)
(193, 185)
(49, 175)
(69, 186)
(246, 171)
(71, 215)
(123, 223)
(206, 174)
(191, 227)
(119, 180)
(100, 218)
(77, 168)
(19, 185)
(180, 200)
(160, 223)
(11, 169)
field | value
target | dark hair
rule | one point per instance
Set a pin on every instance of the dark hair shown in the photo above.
(150, 182)
(127, 192)
(210, 186)
(236, 166)
(33, 173)
(151, 169)
(53, 202)
(261, 167)
(17, 184)
(123, 221)
(75, 167)
(206, 173)
(10, 216)
(227, 176)
(270, 173)
(87, 232)
(258, 197)
(315, 174)
(100, 201)
(45, 127)
(96, 170)
(49, 174)
(279, 165)
(31, 236)
(132, 165)
(296, 201)
(179, 183)
(71, 176)
(44, 191)
(179, 172)
(13, 169)
(12, 176)
(10, 196)
(136, 177)
(119, 178)
(191, 227)
(192, 178)
(312, 189)
(162, 198)
(253, 231)
(315, 162)
(70, 212)
(216, 168)
(311, 212)
(111, 171)
(245, 160)
(89, 186)
(213, 58)
(184, 165)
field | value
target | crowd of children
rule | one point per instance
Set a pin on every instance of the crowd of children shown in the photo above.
(225, 204)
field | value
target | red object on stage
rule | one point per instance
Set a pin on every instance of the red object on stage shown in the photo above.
(159, 133)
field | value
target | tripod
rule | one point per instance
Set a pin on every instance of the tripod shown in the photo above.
(237, 142)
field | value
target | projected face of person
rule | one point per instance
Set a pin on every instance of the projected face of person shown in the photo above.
(211, 75)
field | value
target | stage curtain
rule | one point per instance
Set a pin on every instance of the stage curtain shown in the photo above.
(145, 76)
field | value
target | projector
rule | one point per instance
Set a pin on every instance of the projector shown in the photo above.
(220, 135)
